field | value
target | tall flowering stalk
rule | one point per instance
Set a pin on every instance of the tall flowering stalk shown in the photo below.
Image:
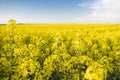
(10, 32)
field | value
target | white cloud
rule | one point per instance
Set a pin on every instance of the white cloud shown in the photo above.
(104, 11)
(83, 4)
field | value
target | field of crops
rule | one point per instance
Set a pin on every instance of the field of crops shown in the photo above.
(60, 52)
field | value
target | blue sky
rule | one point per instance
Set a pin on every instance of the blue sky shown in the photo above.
(58, 11)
